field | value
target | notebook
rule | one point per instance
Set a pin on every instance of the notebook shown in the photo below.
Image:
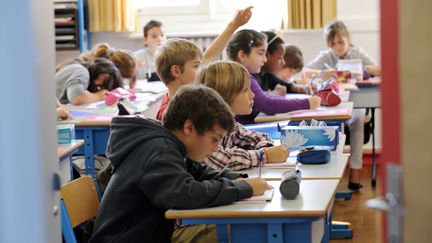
(266, 197)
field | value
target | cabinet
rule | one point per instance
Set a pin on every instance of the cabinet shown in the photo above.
(69, 25)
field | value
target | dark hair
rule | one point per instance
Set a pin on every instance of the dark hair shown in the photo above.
(336, 28)
(200, 104)
(103, 66)
(293, 57)
(273, 41)
(151, 24)
(244, 40)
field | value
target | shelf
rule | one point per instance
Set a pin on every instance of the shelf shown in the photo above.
(69, 26)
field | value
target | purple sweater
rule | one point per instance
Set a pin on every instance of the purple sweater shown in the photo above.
(270, 104)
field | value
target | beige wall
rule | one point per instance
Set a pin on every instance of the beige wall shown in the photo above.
(415, 63)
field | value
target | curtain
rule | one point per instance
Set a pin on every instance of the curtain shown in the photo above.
(111, 15)
(310, 14)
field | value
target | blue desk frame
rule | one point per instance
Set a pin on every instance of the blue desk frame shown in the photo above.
(95, 142)
(271, 230)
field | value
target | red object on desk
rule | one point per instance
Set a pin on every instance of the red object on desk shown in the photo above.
(115, 95)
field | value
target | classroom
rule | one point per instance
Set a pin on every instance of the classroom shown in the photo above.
(307, 126)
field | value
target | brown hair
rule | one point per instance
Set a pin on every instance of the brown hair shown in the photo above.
(123, 59)
(151, 24)
(226, 77)
(244, 40)
(200, 104)
(293, 57)
(174, 52)
(336, 28)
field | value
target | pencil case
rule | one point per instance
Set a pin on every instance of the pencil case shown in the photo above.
(314, 156)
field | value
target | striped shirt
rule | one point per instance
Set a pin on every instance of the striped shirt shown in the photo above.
(239, 150)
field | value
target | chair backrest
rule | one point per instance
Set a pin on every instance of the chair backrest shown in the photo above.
(81, 199)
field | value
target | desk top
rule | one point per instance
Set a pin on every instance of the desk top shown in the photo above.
(149, 97)
(67, 148)
(333, 170)
(340, 112)
(314, 199)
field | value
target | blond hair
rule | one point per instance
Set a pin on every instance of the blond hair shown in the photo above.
(226, 77)
(336, 28)
(174, 52)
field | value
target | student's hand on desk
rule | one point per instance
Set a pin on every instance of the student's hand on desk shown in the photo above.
(280, 90)
(276, 154)
(314, 102)
(101, 94)
(259, 186)
(63, 113)
(242, 16)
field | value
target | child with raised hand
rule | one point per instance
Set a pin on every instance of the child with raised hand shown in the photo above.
(339, 41)
(276, 61)
(248, 47)
(178, 60)
(154, 37)
(156, 168)
(84, 82)
(240, 149)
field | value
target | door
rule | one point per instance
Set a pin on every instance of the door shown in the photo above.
(406, 53)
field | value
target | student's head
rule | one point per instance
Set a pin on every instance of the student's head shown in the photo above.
(248, 47)
(275, 52)
(178, 60)
(123, 59)
(293, 62)
(154, 34)
(103, 75)
(232, 81)
(338, 38)
(199, 117)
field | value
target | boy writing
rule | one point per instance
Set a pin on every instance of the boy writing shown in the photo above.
(155, 168)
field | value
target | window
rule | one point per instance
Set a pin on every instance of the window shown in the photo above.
(210, 16)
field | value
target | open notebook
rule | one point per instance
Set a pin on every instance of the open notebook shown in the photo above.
(267, 196)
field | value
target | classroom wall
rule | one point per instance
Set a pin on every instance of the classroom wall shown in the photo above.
(361, 17)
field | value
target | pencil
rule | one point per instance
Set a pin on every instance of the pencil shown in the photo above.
(261, 155)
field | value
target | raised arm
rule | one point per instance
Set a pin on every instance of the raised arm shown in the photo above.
(216, 47)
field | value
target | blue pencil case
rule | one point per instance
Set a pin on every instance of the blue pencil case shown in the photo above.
(314, 156)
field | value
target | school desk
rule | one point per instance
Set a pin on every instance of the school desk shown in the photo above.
(332, 170)
(93, 125)
(368, 96)
(64, 153)
(332, 115)
(304, 219)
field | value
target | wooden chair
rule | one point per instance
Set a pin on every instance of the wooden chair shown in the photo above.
(79, 203)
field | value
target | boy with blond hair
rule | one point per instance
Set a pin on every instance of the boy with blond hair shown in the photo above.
(177, 61)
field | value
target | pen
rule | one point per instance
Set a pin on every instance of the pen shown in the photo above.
(310, 84)
(261, 155)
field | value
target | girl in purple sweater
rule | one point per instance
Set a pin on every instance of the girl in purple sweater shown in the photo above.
(248, 47)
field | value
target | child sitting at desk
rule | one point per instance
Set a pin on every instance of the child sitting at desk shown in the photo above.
(154, 37)
(82, 83)
(240, 149)
(122, 59)
(156, 168)
(277, 58)
(248, 47)
(177, 61)
(339, 42)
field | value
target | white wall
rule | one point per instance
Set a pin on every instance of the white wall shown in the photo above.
(361, 17)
